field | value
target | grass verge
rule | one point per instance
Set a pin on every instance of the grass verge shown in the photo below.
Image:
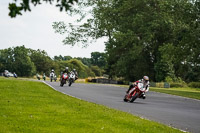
(28, 106)
(185, 92)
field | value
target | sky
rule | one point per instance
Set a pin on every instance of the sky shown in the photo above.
(34, 30)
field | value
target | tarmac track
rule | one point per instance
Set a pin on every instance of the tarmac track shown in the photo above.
(178, 112)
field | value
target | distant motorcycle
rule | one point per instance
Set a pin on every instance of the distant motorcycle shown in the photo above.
(44, 77)
(53, 77)
(63, 79)
(15, 75)
(134, 93)
(71, 78)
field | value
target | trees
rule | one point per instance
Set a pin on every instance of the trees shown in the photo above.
(42, 61)
(24, 5)
(155, 38)
(98, 59)
(22, 63)
(17, 60)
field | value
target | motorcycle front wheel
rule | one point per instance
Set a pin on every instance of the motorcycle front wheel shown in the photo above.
(134, 97)
(125, 100)
(70, 82)
(62, 82)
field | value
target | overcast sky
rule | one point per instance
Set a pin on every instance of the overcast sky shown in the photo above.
(34, 30)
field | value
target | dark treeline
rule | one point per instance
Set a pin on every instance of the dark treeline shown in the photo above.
(28, 62)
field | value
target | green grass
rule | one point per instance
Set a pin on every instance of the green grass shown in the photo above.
(185, 92)
(28, 106)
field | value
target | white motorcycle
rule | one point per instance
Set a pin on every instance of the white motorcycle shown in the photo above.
(53, 77)
(71, 78)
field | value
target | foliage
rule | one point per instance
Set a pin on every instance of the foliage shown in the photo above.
(194, 84)
(98, 59)
(41, 60)
(28, 62)
(155, 38)
(83, 70)
(60, 57)
(17, 60)
(96, 70)
(177, 85)
(16, 8)
(85, 61)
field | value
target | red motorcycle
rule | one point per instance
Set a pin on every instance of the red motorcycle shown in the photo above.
(63, 79)
(134, 93)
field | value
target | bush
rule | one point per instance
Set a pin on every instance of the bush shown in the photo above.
(160, 85)
(194, 84)
(176, 85)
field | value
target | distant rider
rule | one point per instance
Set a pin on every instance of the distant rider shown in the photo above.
(15, 75)
(52, 74)
(44, 76)
(38, 76)
(76, 74)
(144, 81)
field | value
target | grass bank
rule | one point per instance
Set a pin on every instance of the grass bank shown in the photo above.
(185, 92)
(28, 106)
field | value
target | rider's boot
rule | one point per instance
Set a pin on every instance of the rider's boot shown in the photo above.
(143, 96)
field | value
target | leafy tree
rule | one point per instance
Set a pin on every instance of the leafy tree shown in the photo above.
(41, 60)
(23, 65)
(60, 57)
(6, 59)
(141, 34)
(98, 59)
(83, 70)
(85, 61)
(16, 9)
(96, 70)
(17, 60)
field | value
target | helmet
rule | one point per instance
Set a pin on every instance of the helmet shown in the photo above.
(66, 68)
(52, 70)
(74, 70)
(146, 78)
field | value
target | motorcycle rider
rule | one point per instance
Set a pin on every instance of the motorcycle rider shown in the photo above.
(76, 74)
(44, 76)
(38, 76)
(145, 82)
(52, 74)
(65, 71)
(15, 75)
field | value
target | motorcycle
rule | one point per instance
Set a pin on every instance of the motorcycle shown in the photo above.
(71, 78)
(63, 79)
(53, 77)
(134, 93)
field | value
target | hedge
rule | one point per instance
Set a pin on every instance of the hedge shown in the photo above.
(194, 84)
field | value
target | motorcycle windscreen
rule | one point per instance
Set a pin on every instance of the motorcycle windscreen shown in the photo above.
(65, 76)
(141, 86)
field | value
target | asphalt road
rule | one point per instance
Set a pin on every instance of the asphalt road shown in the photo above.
(175, 111)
